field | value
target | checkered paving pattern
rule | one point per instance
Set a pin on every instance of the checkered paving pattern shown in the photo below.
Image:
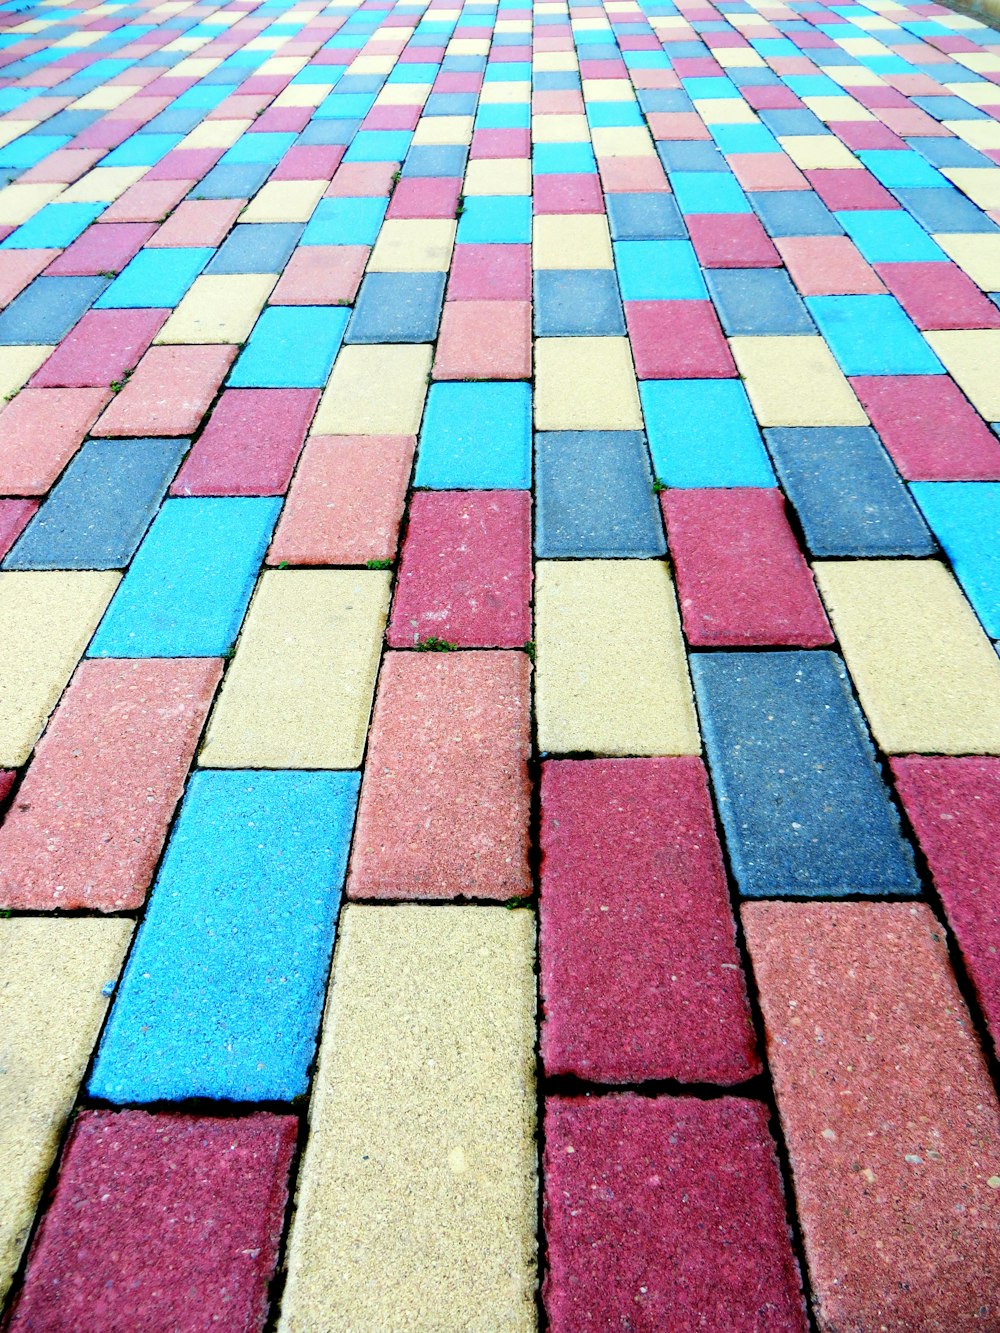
(499, 693)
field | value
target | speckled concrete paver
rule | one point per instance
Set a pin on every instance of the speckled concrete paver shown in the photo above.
(487, 490)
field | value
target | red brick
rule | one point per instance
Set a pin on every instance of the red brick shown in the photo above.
(741, 579)
(99, 350)
(576, 192)
(731, 240)
(666, 1213)
(632, 175)
(641, 977)
(425, 197)
(104, 248)
(828, 266)
(846, 188)
(891, 1121)
(346, 501)
(161, 1222)
(250, 445)
(170, 392)
(309, 162)
(95, 804)
(500, 144)
(939, 296)
(490, 273)
(677, 340)
(14, 516)
(444, 808)
(465, 574)
(484, 340)
(322, 275)
(929, 427)
(954, 807)
(40, 431)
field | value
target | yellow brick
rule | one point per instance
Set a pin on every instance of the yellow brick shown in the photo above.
(19, 201)
(18, 364)
(981, 184)
(413, 245)
(611, 674)
(499, 175)
(972, 357)
(982, 134)
(794, 381)
(811, 152)
(284, 201)
(608, 90)
(725, 111)
(505, 93)
(13, 129)
(978, 254)
(833, 109)
(416, 1202)
(928, 677)
(376, 390)
(623, 141)
(219, 308)
(560, 129)
(299, 691)
(303, 94)
(403, 94)
(52, 972)
(468, 46)
(443, 130)
(47, 619)
(554, 62)
(102, 185)
(585, 384)
(215, 134)
(575, 240)
(737, 57)
(976, 94)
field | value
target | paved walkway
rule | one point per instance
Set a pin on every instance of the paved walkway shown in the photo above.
(499, 722)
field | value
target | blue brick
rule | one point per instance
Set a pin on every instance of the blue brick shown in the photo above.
(890, 236)
(704, 433)
(849, 497)
(948, 152)
(223, 993)
(872, 335)
(436, 160)
(757, 300)
(708, 192)
(697, 155)
(495, 220)
(291, 347)
(155, 278)
(897, 168)
(563, 158)
(329, 132)
(805, 810)
(794, 213)
(98, 511)
(345, 222)
(644, 217)
(793, 122)
(141, 150)
(238, 180)
(744, 139)
(659, 271)
(53, 227)
(577, 302)
(258, 247)
(476, 437)
(944, 211)
(30, 149)
(187, 589)
(595, 496)
(47, 309)
(965, 518)
(379, 146)
(255, 148)
(397, 308)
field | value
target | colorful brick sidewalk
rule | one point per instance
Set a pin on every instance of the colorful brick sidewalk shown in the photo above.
(499, 708)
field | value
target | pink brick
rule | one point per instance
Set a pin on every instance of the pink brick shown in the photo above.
(641, 977)
(444, 809)
(577, 192)
(677, 126)
(674, 340)
(490, 273)
(741, 579)
(890, 1119)
(147, 201)
(766, 171)
(99, 350)
(929, 427)
(161, 1221)
(363, 178)
(250, 445)
(484, 340)
(827, 266)
(500, 144)
(666, 1213)
(425, 197)
(954, 807)
(18, 268)
(846, 188)
(104, 248)
(939, 296)
(309, 162)
(94, 807)
(863, 134)
(199, 222)
(64, 166)
(628, 175)
(731, 240)
(346, 501)
(465, 574)
(322, 275)
(14, 516)
(170, 392)
(40, 431)
(183, 163)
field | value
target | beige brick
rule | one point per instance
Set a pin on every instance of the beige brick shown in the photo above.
(375, 390)
(219, 308)
(972, 357)
(794, 381)
(585, 384)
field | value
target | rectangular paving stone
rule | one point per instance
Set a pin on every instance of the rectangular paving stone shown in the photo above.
(872, 335)
(169, 393)
(890, 1118)
(299, 691)
(40, 431)
(14, 516)
(54, 976)
(100, 348)
(929, 427)
(970, 357)
(741, 578)
(465, 574)
(641, 978)
(846, 492)
(397, 308)
(476, 436)
(794, 381)
(290, 348)
(965, 518)
(250, 444)
(223, 990)
(94, 807)
(188, 586)
(585, 384)
(444, 807)
(97, 513)
(703, 433)
(595, 495)
(46, 621)
(376, 390)
(611, 676)
(927, 676)
(218, 309)
(430, 1026)
(804, 807)
(665, 1212)
(103, 1252)
(47, 310)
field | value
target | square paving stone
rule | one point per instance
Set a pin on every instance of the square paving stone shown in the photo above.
(397, 308)
(703, 433)
(641, 978)
(577, 302)
(848, 496)
(292, 348)
(47, 310)
(476, 436)
(445, 803)
(805, 809)
(465, 574)
(97, 513)
(595, 495)
(188, 586)
(250, 444)
(103, 1252)
(229, 936)
(757, 301)
(665, 1212)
